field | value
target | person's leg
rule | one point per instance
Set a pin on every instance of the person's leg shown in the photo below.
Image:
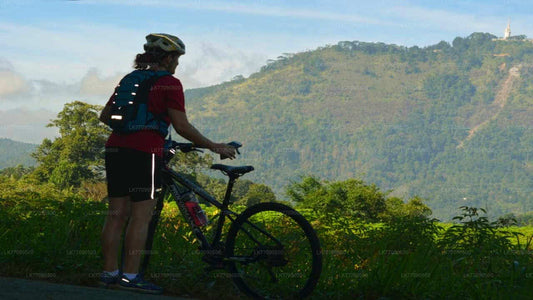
(118, 212)
(136, 233)
(144, 181)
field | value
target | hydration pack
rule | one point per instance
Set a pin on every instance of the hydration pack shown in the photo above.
(129, 108)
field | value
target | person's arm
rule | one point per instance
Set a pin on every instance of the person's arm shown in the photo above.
(105, 115)
(185, 129)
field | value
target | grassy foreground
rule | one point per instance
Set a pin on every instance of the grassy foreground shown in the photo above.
(57, 238)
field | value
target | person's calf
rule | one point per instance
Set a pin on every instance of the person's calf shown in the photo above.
(136, 233)
(135, 242)
(111, 235)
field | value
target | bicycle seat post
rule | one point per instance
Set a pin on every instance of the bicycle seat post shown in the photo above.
(229, 189)
(233, 173)
(225, 204)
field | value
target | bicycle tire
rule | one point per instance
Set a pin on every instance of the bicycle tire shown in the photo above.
(293, 285)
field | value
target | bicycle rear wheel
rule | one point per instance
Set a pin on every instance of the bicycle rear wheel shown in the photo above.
(273, 252)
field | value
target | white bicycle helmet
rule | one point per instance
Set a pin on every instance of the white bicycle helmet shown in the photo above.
(165, 42)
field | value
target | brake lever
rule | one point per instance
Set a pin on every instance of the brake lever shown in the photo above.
(235, 145)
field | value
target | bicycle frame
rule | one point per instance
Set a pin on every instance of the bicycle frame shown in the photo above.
(170, 177)
(218, 253)
(177, 184)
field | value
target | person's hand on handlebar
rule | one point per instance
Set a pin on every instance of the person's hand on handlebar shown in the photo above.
(225, 150)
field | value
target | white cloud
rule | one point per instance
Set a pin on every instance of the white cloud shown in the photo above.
(66, 53)
(29, 103)
(26, 125)
(70, 54)
(19, 92)
(11, 83)
(93, 84)
(212, 63)
(5, 65)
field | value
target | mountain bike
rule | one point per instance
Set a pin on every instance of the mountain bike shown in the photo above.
(270, 250)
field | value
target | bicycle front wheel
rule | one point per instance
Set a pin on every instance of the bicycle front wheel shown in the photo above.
(273, 252)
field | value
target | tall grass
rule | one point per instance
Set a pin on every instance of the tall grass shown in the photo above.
(52, 236)
(417, 258)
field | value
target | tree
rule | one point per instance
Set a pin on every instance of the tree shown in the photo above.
(258, 193)
(459, 44)
(191, 163)
(394, 207)
(299, 192)
(240, 189)
(442, 45)
(363, 200)
(351, 197)
(77, 154)
(16, 172)
(480, 38)
(416, 207)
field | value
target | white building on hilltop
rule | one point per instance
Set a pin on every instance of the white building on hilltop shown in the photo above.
(507, 35)
(508, 38)
(507, 31)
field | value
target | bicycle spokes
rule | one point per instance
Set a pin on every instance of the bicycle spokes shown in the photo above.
(276, 263)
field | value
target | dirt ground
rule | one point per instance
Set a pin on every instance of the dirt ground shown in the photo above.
(15, 288)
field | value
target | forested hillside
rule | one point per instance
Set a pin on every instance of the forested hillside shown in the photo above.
(13, 153)
(450, 123)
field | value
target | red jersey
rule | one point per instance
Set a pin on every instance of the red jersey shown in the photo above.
(166, 92)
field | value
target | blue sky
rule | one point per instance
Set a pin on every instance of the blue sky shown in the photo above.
(53, 52)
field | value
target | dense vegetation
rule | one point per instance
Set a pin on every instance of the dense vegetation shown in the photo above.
(51, 234)
(395, 116)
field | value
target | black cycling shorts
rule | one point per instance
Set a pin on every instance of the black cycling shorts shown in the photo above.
(132, 172)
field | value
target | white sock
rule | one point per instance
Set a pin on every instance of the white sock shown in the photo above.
(130, 276)
(112, 273)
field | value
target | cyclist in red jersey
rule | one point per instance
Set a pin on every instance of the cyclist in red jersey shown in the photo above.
(133, 163)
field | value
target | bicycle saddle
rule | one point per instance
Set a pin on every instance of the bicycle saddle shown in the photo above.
(232, 171)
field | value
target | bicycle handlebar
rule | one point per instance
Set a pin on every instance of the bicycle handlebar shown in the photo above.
(235, 145)
(188, 147)
(185, 147)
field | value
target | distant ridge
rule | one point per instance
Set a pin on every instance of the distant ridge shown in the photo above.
(13, 153)
(450, 122)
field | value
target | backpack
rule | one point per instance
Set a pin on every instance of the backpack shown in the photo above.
(129, 108)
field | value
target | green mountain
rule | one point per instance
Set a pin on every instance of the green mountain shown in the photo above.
(13, 153)
(449, 123)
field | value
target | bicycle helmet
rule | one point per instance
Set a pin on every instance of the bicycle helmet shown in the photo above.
(165, 42)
